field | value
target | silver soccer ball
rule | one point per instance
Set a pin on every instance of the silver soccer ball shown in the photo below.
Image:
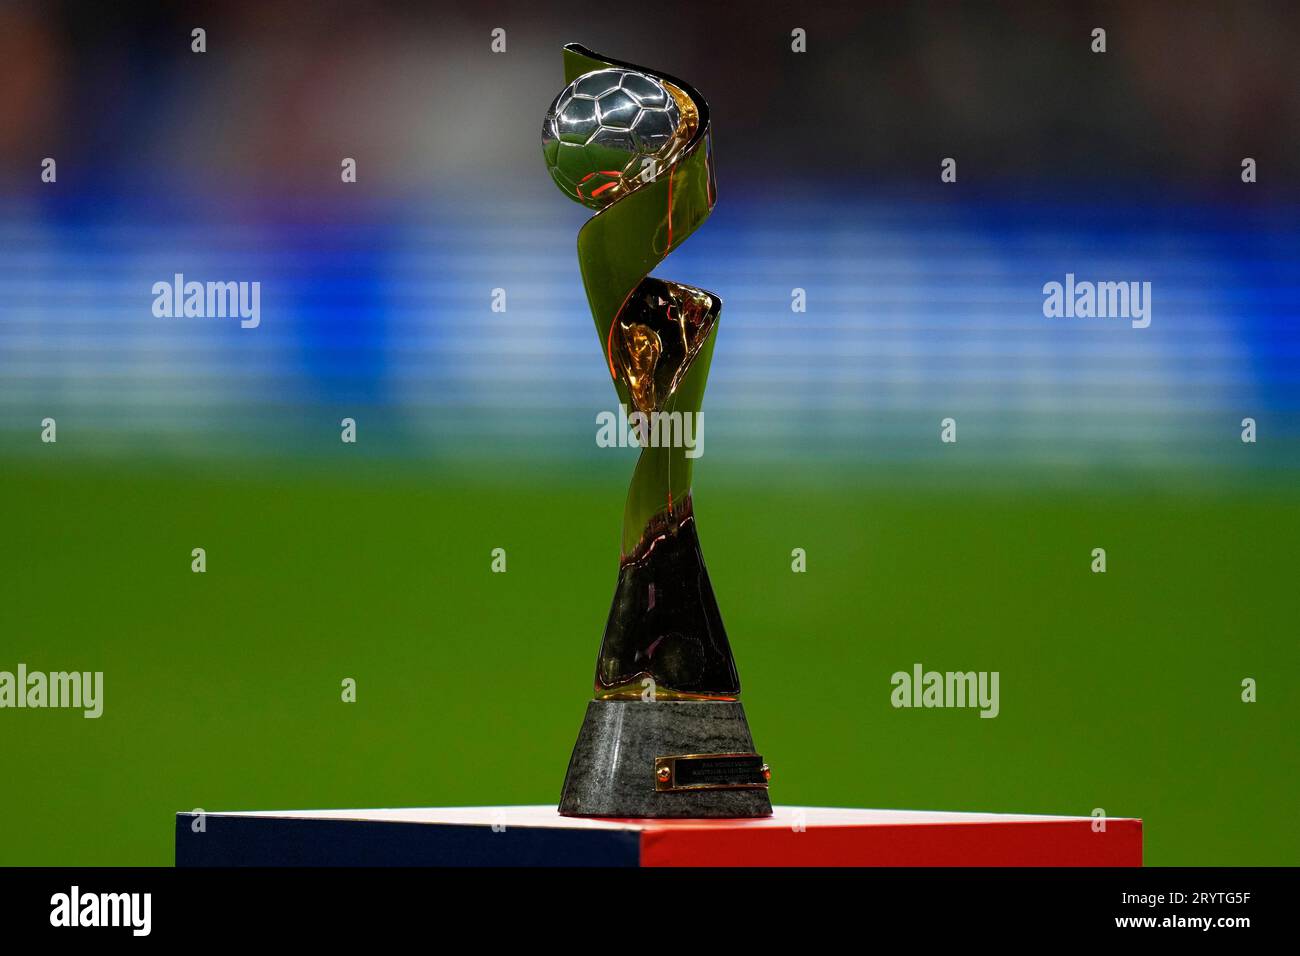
(608, 132)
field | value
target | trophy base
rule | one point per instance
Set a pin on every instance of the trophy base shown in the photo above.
(665, 759)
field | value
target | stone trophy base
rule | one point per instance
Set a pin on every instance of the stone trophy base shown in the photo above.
(617, 768)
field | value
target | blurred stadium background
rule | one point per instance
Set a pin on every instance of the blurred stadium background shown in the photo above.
(476, 429)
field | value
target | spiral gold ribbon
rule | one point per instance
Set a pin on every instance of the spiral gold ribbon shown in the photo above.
(664, 631)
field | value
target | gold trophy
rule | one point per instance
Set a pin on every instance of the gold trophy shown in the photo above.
(665, 735)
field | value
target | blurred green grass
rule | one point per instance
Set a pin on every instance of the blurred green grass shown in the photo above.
(222, 690)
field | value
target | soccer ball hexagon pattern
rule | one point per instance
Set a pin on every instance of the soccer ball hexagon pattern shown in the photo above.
(608, 132)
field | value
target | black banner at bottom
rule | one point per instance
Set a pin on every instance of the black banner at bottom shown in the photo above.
(301, 905)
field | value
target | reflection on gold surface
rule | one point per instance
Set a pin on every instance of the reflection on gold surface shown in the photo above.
(635, 689)
(690, 114)
(642, 351)
(656, 336)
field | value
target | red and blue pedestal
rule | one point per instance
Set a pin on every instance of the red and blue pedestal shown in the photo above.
(539, 836)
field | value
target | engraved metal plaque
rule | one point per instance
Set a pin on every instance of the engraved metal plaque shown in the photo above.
(711, 772)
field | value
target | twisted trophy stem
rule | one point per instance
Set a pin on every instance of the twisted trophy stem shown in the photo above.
(664, 637)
